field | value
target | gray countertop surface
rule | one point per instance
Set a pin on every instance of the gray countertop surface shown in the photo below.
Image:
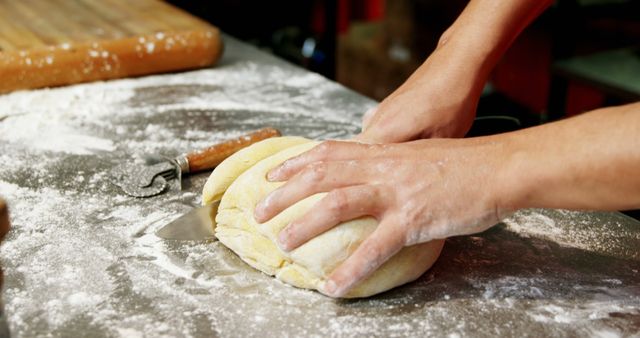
(82, 258)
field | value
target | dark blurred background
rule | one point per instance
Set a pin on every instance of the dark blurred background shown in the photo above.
(577, 56)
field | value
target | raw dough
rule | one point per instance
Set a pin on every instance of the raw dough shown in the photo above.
(241, 182)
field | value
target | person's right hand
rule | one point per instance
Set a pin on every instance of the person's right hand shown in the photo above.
(417, 191)
(438, 100)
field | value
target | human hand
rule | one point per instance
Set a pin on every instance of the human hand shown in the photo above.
(438, 100)
(417, 191)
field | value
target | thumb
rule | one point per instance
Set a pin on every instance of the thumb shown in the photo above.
(373, 131)
(368, 115)
(367, 133)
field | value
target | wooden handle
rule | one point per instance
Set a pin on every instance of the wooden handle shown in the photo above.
(210, 157)
(4, 219)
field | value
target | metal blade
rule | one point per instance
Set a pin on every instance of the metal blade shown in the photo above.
(158, 186)
(197, 224)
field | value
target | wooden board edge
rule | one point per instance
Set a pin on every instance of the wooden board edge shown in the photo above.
(110, 59)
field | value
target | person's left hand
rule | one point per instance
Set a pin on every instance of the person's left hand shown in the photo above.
(417, 191)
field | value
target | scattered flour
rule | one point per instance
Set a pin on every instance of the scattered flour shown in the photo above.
(82, 255)
(149, 47)
(48, 137)
(582, 230)
(83, 258)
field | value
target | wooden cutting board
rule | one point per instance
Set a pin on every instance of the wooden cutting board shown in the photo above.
(57, 42)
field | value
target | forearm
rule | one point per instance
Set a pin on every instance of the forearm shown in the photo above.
(588, 162)
(486, 28)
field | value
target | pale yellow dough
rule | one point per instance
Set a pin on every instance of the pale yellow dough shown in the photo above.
(241, 182)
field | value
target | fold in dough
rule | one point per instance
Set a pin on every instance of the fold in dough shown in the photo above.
(241, 182)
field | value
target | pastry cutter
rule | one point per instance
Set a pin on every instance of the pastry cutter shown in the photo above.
(151, 180)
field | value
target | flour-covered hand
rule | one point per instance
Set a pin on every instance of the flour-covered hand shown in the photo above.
(418, 191)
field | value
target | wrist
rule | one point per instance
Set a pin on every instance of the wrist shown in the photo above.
(481, 38)
(514, 177)
(475, 57)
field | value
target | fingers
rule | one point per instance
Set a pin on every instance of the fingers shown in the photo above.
(334, 150)
(336, 207)
(381, 245)
(315, 178)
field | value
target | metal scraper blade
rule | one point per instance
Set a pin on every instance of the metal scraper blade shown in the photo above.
(197, 224)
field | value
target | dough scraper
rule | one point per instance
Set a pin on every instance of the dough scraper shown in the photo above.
(197, 224)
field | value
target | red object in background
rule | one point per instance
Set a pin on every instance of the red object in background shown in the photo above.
(374, 10)
(581, 98)
(318, 18)
(347, 10)
(523, 72)
(361, 10)
(523, 75)
(343, 15)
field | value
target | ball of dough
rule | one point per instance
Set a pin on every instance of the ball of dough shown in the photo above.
(241, 181)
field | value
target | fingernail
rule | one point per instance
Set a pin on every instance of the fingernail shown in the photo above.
(258, 212)
(282, 241)
(261, 212)
(273, 174)
(329, 288)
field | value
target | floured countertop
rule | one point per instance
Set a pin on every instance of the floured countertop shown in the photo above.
(82, 258)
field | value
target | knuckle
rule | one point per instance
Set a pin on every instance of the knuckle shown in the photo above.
(374, 193)
(324, 148)
(378, 199)
(315, 172)
(373, 250)
(338, 202)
